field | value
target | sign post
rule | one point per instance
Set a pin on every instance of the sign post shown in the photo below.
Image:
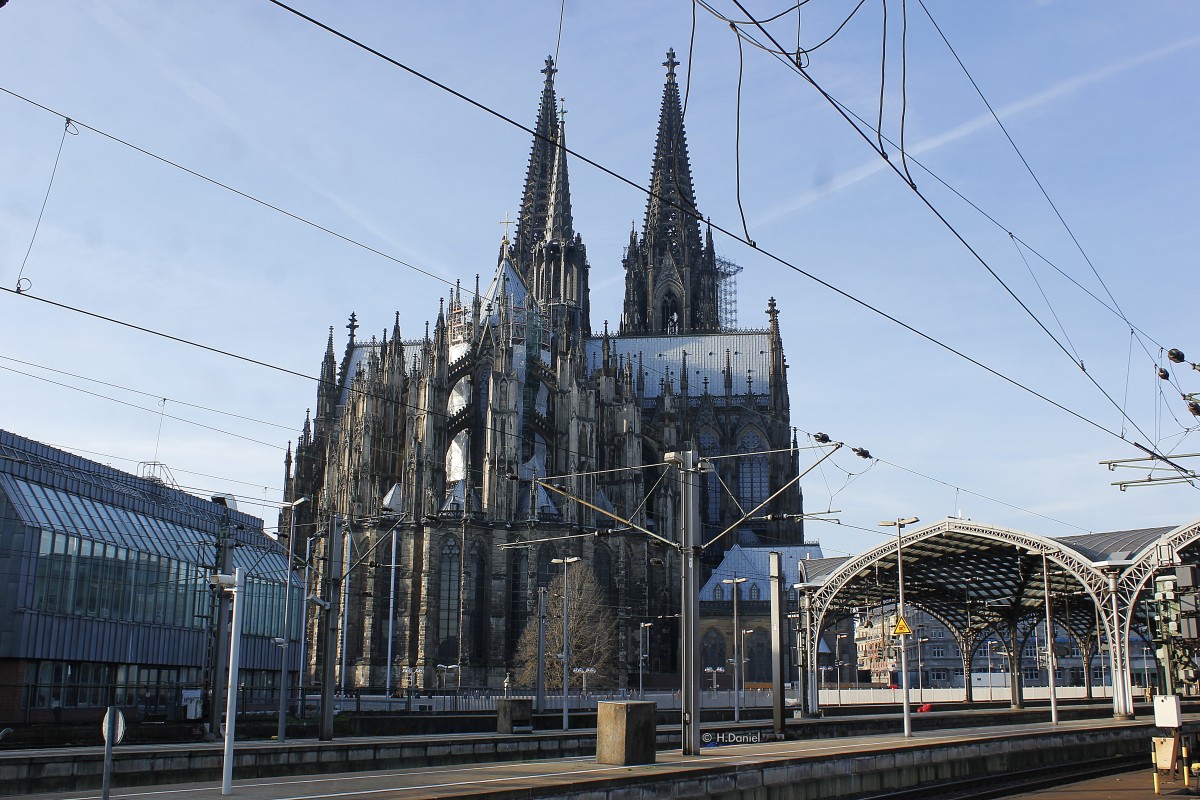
(113, 730)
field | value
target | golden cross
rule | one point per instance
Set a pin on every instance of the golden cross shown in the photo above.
(506, 222)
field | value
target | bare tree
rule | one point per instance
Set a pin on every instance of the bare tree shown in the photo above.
(592, 629)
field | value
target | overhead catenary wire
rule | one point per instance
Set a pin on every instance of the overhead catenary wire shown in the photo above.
(22, 282)
(145, 393)
(774, 257)
(848, 114)
(141, 408)
(970, 249)
(1024, 161)
(238, 192)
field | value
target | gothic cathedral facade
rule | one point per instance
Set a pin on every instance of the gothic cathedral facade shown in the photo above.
(468, 449)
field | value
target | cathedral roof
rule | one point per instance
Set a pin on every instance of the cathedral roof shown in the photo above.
(749, 352)
(753, 563)
(507, 281)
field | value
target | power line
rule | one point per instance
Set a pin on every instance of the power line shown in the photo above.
(229, 188)
(1024, 161)
(140, 408)
(144, 393)
(778, 259)
(983, 262)
(492, 112)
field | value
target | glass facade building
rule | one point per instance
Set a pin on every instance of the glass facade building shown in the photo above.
(108, 598)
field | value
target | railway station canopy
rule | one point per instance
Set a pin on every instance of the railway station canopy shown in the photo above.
(981, 580)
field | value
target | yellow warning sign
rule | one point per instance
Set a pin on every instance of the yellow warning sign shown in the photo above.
(902, 628)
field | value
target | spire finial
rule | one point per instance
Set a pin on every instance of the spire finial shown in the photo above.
(506, 222)
(353, 325)
(549, 69)
(671, 64)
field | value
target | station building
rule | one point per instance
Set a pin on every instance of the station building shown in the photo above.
(106, 597)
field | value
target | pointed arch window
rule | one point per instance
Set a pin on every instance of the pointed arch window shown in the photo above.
(449, 601)
(711, 488)
(712, 649)
(758, 661)
(479, 605)
(602, 564)
(518, 602)
(753, 471)
(545, 569)
(755, 592)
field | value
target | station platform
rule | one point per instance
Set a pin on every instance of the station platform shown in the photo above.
(1134, 785)
(807, 769)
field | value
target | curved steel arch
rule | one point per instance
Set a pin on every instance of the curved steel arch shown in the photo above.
(1133, 579)
(822, 596)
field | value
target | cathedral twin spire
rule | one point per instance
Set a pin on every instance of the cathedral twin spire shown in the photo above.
(671, 275)
(548, 254)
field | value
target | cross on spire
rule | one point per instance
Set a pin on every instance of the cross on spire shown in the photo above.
(549, 69)
(506, 222)
(670, 64)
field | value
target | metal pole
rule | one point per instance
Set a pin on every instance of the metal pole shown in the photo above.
(333, 577)
(1049, 641)
(391, 617)
(304, 624)
(903, 636)
(989, 649)
(345, 580)
(566, 649)
(689, 607)
(642, 635)
(778, 628)
(539, 698)
(221, 629)
(281, 734)
(737, 659)
(235, 639)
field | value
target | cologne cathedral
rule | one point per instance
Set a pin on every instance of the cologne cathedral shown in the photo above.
(512, 433)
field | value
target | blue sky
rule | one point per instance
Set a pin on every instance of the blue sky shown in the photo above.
(1101, 105)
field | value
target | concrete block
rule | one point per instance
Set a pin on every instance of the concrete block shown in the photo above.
(514, 715)
(626, 732)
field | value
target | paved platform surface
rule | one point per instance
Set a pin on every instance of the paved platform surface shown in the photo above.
(1136, 785)
(530, 778)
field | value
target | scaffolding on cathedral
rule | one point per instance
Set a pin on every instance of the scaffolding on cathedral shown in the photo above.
(460, 325)
(727, 273)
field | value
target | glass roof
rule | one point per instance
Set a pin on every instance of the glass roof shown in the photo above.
(47, 508)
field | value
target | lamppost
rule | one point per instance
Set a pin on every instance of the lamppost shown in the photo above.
(714, 671)
(566, 644)
(642, 634)
(990, 642)
(1146, 668)
(921, 669)
(839, 662)
(735, 582)
(900, 523)
(442, 670)
(235, 584)
(1050, 637)
(281, 734)
(993, 644)
(745, 661)
(584, 672)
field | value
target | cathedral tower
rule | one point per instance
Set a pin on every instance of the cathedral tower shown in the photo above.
(670, 273)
